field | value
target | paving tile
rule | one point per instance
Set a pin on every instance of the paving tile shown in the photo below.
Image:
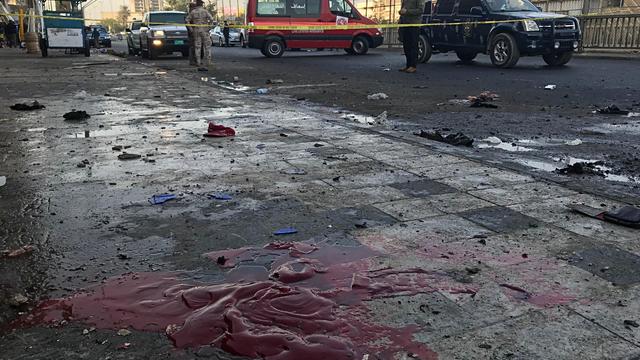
(522, 193)
(408, 236)
(555, 209)
(494, 179)
(610, 263)
(462, 168)
(422, 188)
(337, 198)
(549, 334)
(415, 163)
(409, 209)
(456, 202)
(372, 179)
(499, 219)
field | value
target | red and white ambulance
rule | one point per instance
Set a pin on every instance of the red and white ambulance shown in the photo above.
(304, 13)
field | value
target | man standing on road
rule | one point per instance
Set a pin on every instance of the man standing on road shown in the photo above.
(192, 39)
(95, 34)
(410, 13)
(11, 31)
(225, 32)
(200, 17)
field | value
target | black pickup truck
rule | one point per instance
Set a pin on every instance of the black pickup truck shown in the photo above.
(503, 29)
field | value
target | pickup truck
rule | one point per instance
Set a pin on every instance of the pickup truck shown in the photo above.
(503, 29)
(163, 32)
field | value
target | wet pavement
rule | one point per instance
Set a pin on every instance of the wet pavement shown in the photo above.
(396, 246)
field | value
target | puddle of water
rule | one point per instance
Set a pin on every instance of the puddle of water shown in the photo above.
(631, 127)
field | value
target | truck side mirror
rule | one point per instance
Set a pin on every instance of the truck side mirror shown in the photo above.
(477, 10)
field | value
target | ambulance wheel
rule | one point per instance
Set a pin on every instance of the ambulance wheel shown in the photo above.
(360, 45)
(273, 47)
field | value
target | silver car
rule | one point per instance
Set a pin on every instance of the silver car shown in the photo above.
(217, 37)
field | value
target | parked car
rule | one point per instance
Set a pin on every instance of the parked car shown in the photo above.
(272, 43)
(515, 28)
(133, 37)
(217, 37)
(103, 40)
(159, 34)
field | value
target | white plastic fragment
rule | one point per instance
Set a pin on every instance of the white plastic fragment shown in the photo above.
(573, 142)
(378, 96)
(550, 87)
(3, 180)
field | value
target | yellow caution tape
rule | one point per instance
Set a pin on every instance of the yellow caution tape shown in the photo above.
(315, 27)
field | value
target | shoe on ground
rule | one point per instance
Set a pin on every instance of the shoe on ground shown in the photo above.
(403, 69)
(411, 70)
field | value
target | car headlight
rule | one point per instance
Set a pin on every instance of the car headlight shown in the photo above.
(530, 25)
(157, 33)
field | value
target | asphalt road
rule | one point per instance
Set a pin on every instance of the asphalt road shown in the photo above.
(537, 121)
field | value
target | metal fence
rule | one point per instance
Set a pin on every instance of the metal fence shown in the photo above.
(611, 31)
(598, 32)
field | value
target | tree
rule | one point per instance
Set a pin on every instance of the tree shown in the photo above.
(178, 5)
(123, 15)
(113, 25)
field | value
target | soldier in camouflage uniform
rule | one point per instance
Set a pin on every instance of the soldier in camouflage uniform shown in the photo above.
(200, 16)
(192, 39)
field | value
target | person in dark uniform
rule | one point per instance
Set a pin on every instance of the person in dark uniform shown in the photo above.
(95, 35)
(410, 13)
(225, 32)
(11, 32)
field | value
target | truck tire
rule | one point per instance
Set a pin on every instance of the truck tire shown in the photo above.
(273, 47)
(466, 56)
(359, 46)
(558, 59)
(504, 50)
(424, 48)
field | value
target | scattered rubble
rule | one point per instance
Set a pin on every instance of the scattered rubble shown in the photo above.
(18, 300)
(162, 198)
(129, 156)
(550, 87)
(26, 107)
(83, 163)
(219, 131)
(274, 81)
(378, 96)
(220, 196)
(26, 249)
(483, 100)
(76, 115)
(631, 323)
(457, 139)
(573, 142)
(3, 180)
(611, 110)
(262, 91)
(582, 168)
(124, 332)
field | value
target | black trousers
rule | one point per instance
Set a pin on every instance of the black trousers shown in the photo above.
(410, 45)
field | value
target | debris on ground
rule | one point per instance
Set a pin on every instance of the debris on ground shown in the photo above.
(285, 231)
(3, 180)
(361, 224)
(26, 107)
(26, 249)
(220, 196)
(76, 115)
(457, 139)
(550, 87)
(261, 146)
(161, 199)
(493, 140)
(124, 332)
(123, 346)
(123, 256)
(625, 216)
(18, 300)
(129, 156)
(378, 96)
(284, 135)
(294, 171)
(631, 323)
(219, 131)
(381, 119)
(236, 79)
(484, 99)
(582, 168)
(274, 81)
(262, 91)
(611, 110)
(83, 163)
(573, 142)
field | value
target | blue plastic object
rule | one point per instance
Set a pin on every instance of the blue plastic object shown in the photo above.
(285, 231)
(161, 199)
(220, 196)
